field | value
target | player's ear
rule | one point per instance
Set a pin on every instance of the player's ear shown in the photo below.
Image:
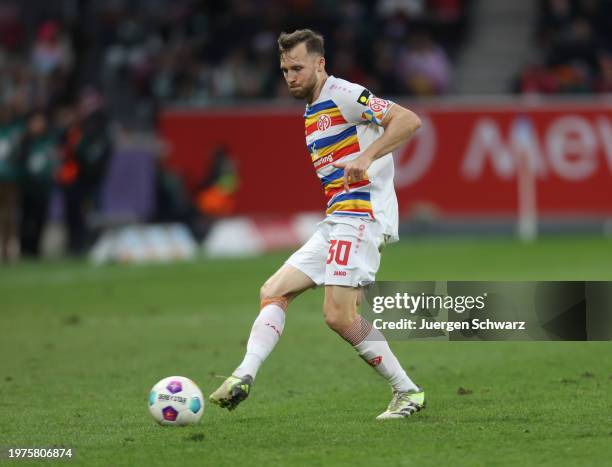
(321, 63)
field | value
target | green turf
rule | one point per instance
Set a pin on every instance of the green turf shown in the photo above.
(81, 347)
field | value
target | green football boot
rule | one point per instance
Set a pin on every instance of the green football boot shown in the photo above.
(404, 404)
(232, 392)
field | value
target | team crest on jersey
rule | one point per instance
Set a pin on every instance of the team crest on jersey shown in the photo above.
(323, 122)
(377, 104)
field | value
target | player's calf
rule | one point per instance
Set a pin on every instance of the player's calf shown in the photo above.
(341, 315)
(275, 294)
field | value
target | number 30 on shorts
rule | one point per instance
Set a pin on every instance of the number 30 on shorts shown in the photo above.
(339, 251)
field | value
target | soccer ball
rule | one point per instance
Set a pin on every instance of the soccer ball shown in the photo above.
(176, 400)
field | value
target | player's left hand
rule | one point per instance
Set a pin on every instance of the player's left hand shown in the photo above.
(354, 171)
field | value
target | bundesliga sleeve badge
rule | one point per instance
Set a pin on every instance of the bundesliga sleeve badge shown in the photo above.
(364, 97)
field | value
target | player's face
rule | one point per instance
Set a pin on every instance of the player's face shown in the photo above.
(300, 71)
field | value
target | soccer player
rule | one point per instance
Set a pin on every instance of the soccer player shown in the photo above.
(350, 135)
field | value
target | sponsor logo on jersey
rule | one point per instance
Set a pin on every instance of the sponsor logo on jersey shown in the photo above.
(324, 160)
(340, 273)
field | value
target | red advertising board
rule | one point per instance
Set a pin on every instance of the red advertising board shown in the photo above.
(463, 160)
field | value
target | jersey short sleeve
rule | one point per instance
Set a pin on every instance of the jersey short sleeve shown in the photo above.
(358, 105)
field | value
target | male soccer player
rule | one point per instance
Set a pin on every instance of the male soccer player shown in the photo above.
(350, 134)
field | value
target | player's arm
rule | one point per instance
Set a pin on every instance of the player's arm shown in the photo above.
(399, 124)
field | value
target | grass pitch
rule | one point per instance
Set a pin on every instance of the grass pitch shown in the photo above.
(82, 346)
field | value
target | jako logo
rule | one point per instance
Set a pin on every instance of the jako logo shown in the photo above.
(274, 327)
(339, 273)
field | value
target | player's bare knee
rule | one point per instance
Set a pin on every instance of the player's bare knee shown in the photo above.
(270, 294)
(338, 317)
(264, 292)
(270, 289)
(339, 322)
(334, 322)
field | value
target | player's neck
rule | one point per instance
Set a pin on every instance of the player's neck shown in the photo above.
(317, 90)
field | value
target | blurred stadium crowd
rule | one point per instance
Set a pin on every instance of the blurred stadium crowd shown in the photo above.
(573, 52)
(69, 68)
(160, 50)
(72, 68)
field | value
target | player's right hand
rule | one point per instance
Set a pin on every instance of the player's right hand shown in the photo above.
(354, 170)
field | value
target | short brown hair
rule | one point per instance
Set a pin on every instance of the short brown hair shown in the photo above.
(313, 40)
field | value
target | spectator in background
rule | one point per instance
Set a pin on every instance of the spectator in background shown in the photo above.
(10, 134)
(51, 63)
(216, 195)
(536, 78)
(423, 66)
(51, 51)
(384, 64)
(11, 28)
(604, 82)
(576, 47)
(86, 150)
(172, 202)
(449, 23)
(37, 161)
(574, 39)
(144, 53)
(555, 19)
(347, 65)
(228, 78)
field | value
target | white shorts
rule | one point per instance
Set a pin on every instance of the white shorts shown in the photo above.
(341, 253)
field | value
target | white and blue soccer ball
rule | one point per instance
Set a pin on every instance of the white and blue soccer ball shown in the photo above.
(176, 400)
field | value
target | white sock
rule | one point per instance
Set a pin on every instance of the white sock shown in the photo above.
(374, 349)
(266, 331)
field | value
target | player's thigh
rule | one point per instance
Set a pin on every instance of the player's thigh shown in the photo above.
(287, 282)
(310, 258)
